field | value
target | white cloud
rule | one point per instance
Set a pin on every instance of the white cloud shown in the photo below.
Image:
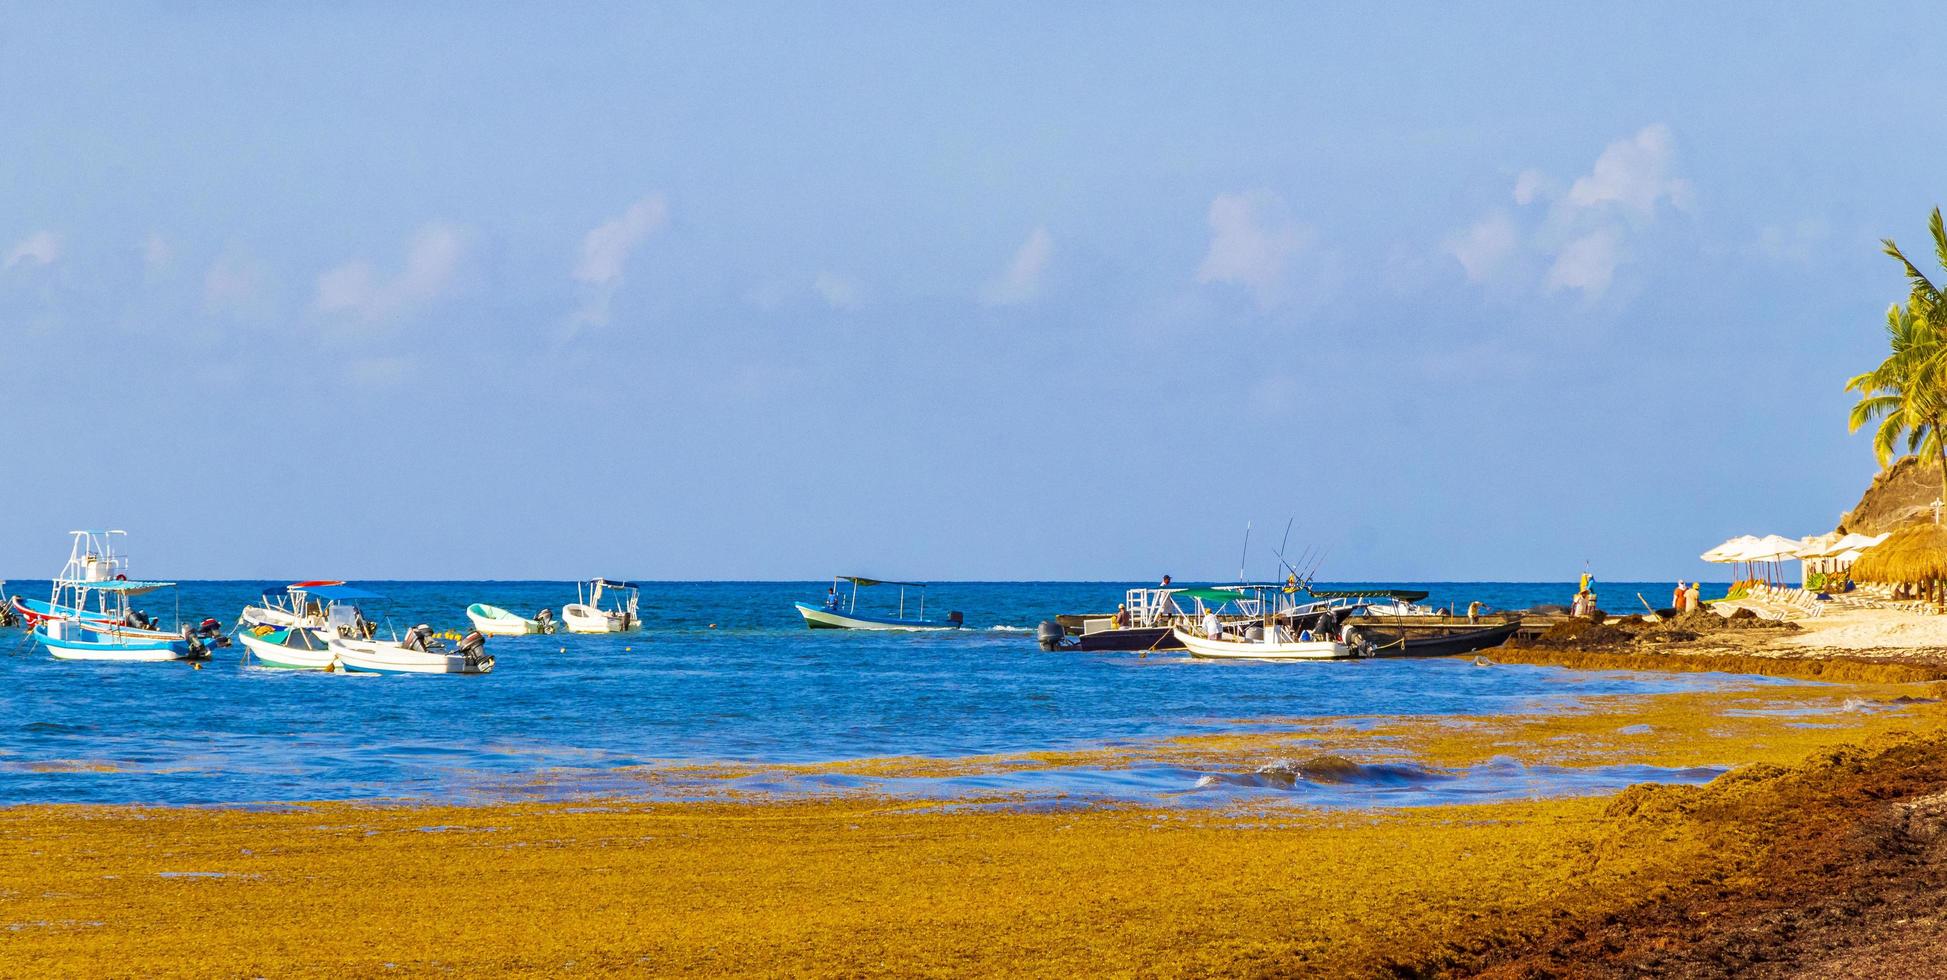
(356, 288)
(838, 292)
(1583, 235)
(1020, 282)
(1252, 243)
(1484, 248)
(1634, 174)
(1588, 263)
(39, 248)
(237, 284)
(1531, 186)
(605, 250)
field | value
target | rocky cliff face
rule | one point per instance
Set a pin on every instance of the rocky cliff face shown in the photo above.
(1901, 494)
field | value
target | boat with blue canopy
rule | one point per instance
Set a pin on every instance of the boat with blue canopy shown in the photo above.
(307, 604)
(840, 612)
(293, 628)
(88, 615)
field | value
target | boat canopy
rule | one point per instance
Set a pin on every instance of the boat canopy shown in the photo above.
(615, 583)
(123, 585)
(1400, 595)
(861, 580)
(330, 591)
(1208, 594)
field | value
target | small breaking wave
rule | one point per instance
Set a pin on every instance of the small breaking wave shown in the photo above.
(1325, 770)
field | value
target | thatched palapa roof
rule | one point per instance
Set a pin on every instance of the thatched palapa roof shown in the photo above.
(1912, 554)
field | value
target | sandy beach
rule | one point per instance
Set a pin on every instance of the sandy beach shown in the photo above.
(862, 884)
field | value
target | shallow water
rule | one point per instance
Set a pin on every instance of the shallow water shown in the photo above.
(757, 688)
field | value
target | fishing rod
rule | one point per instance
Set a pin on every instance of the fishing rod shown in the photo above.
(1246, 554)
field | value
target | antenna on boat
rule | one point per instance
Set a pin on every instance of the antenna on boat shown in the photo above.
(1247, 551)
(1312, 575)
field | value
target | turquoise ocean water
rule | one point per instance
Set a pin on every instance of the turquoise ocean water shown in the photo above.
(725, 672)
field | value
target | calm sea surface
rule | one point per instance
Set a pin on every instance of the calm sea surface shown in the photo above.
(725, 672)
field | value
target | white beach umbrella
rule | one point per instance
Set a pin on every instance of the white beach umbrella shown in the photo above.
(1817, 545)
(1722, 554)
(1853, 542)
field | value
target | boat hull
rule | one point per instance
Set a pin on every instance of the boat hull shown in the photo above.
(579, 617)
(1395, 644)
(1133, 639)
(378, 657)
(495, 621)
(35, 612)
(269, 650)
(820, 618)
(1260, 650)
(271, 617)
(69, 640)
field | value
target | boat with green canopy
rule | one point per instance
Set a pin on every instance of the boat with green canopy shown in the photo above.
(841, 612)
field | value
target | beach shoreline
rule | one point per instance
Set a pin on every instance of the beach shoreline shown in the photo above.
(864, 884)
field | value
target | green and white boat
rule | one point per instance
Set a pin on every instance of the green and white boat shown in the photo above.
(290, 648)
(841, 613)
(495, 621)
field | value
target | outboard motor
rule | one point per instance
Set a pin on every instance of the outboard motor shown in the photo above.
(1360, 646)
(546, 620)
(208, 628)
(197, 650)
(473, 647)
(956, 619)
(418, 638)
(1051, 635)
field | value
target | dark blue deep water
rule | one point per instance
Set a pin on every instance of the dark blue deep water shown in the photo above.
(723, 672)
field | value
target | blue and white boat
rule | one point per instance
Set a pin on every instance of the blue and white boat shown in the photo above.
(79, 639)
(88, 616)
(842, 613)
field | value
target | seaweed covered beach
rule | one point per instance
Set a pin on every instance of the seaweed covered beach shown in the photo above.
(1810, 844)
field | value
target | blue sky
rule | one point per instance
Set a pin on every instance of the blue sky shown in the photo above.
(980, 291)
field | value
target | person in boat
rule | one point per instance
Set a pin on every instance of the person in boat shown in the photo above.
(831, 599)
(1122, 618)
(1213, 627)
(1474, 611)
(1166, 583)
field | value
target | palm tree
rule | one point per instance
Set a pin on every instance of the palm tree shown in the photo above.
(1907, 393)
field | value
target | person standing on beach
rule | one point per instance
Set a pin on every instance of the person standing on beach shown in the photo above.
(1693, 597)
(1679, 598)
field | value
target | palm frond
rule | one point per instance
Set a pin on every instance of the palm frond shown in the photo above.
(1870, 409)
(1939, 232)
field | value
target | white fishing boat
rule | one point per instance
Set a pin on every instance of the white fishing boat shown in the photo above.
(495, 621)
(842, 613)
(588, 616)
(1276, 643)
(305, 604)
(420, 652)
(1281, 627)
